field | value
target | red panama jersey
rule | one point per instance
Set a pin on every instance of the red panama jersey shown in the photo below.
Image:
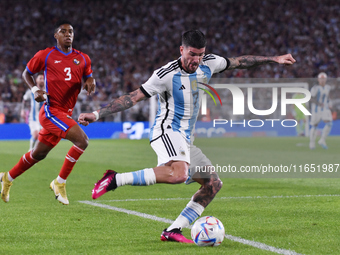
(63, 73)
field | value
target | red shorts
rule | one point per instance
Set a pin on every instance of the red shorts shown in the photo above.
(55, 125)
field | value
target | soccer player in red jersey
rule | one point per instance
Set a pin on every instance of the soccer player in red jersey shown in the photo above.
(64, 68)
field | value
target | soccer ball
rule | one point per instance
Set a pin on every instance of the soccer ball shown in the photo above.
(208, 231)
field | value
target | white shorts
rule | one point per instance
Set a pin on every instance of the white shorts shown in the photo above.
(325, 115)
(173, 146)
(34, 126)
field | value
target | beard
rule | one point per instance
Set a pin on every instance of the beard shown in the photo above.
(190, 68)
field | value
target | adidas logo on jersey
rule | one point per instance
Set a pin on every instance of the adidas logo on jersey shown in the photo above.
(182, 87)
(57, 61)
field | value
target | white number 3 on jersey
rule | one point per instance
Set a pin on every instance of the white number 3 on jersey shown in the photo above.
(67, 70)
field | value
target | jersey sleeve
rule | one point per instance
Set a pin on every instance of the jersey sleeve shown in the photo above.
(88, 69)
(154, 85)
(216, 63)
(37, 63)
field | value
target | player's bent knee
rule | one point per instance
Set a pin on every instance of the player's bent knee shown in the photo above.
(179, 177)
(78, 137)
(39, 155)
(84, 143)
(179, 172)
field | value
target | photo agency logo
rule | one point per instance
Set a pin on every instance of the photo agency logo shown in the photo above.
(208, 92)
(238, 103)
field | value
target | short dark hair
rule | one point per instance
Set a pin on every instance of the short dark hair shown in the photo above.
(194, 38)
(61, 22)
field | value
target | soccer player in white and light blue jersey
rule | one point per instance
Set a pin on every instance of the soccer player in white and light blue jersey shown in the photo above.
(320, 111)
(33, 118)
(176, 85)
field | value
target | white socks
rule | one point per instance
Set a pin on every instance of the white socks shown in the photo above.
(60, 180)
(143, 177)
(9, 177)
(189, 214)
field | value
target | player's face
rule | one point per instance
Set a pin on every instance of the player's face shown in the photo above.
(191, 58)
(322, 80)
(64, 35)
(40, 81)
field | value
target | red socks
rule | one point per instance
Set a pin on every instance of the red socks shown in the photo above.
(26, 162)
(70, 160)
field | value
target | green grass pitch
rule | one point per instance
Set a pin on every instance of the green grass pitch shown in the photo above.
(297, 214)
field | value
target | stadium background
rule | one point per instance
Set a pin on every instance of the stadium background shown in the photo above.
(127, 40)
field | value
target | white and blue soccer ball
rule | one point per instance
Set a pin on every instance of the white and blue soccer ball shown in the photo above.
(208, 231)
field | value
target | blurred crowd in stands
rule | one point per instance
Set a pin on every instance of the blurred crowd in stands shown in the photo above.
(128, 39)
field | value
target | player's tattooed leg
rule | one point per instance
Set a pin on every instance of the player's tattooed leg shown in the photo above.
(211, 185)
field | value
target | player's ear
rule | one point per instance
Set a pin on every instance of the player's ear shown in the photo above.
(55, 35)
(181, 48)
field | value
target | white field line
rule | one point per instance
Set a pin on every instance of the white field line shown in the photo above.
(144, 215)
(261, 246)
(258, 245)
(218, 198)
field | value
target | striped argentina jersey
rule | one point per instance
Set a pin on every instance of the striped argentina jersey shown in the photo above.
(179, 96)
(321, 94)
(35, 106)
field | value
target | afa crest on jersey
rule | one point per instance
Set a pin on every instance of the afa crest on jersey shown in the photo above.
(76, 61)
(181, 151)
(194, 85)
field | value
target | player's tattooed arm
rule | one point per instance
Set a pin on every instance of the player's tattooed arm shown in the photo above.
(249, 61)
(122, 103)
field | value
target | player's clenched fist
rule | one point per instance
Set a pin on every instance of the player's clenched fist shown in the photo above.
(40, 96)
(90, 85)
(86, 118)
(285, 59)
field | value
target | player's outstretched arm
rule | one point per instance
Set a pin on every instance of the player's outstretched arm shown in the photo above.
(248, 61)
(117, 105)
